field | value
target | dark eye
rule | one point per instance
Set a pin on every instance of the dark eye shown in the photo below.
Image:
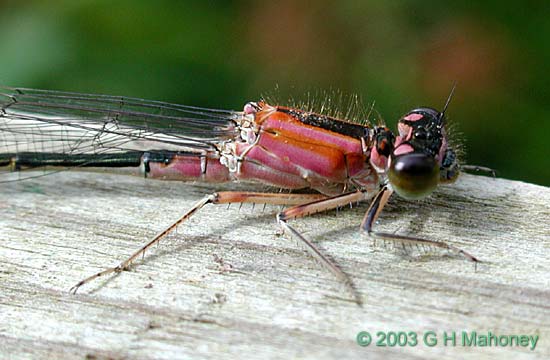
(413, 175)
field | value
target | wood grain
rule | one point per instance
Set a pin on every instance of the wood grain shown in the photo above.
(228, 284)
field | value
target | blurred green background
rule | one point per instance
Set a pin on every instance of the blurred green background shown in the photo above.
(401, 54)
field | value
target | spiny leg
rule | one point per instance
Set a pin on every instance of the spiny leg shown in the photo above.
(477, 169)
(378, 203)
(315, 207)
(225, 197)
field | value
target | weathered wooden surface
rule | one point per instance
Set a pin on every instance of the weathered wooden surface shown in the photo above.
(267, 298)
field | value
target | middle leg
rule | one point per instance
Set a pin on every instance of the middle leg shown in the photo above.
(315, 207)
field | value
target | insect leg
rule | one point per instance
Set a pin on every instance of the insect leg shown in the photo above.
(476, 168)
(312, 208)
(215, 198)
(378, 203)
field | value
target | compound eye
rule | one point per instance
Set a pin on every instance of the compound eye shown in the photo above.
(414, 175)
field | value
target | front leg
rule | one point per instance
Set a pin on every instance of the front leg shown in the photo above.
(376, 207)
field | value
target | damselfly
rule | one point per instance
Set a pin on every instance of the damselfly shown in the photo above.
(340, 161)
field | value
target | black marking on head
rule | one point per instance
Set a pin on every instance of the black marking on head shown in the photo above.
(427, 134)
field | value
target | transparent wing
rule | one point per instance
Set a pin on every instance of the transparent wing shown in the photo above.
(52, 122)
